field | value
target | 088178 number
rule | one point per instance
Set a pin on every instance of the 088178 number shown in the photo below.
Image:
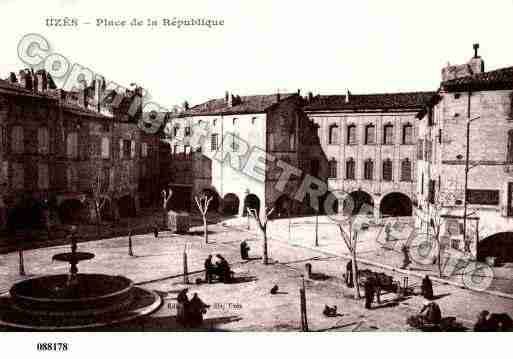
(54, 347)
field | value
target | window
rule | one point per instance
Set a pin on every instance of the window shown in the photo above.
(235, 142)
(420, 149)
(4, 139)
(187, 131)
(43, 141)
(429, 150)
(18, 176)
(105, 147)
(42, 176)
(126, 148)
(406, 170)
(350, 164)
(432, 191)
(483, 196)
(132, 149)
(370, 134)
(333, 135)
(509, 154)
(332, 168)
(144, 149)
(105, 179)
(387, 170)
(292, 141)
(407, 134)
(175, 131)
(368, 170)
(314, 167)
(388, 134)
(351, 134)
(17, 140)
(144, 170)
(72, 145)
(214, 141)
(72, 179)
(105, 127)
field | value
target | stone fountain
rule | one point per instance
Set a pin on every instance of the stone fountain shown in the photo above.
(75, 300)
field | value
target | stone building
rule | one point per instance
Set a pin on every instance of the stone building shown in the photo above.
(469, 95)
(56, 145)
(236, 149)
(368, 148)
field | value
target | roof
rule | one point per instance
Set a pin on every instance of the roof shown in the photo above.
(400, 100)
(51, 95)
(500, 79)
(248, 104)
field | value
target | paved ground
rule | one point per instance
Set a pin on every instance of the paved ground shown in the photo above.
(247, 304)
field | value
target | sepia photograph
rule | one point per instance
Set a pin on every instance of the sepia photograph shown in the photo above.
(255, 167)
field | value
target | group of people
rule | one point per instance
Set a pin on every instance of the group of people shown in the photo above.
(221, 269)
(190, 312)
(495, 322)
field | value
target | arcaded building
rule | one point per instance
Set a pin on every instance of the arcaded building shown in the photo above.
(468, 92)
(236, 148)
(368, 147)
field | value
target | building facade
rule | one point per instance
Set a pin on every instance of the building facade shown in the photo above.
(235, 150)
(368, 148)
(56, 147)
(470, 117)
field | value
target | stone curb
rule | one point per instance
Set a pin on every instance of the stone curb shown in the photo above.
(398, 270)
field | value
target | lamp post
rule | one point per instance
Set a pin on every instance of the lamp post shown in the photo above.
(467, 169)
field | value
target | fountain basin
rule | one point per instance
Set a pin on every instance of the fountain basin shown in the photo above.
(70, 257)
(87, 295)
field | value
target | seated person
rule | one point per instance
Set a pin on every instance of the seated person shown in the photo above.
(433, 314)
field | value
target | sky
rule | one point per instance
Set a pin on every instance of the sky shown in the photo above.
(267, 46)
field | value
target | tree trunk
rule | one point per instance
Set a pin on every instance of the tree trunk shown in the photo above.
(355, 276)
(265, 259)
(205, 228)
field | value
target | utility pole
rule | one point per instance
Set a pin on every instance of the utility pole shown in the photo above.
(466, 172)
(317, 228)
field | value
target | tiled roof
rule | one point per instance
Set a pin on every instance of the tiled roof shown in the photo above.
(496, 79)
(401, 100)
(248, 104)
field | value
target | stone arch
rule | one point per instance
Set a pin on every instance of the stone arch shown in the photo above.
(126, 206)
(355, 203)
(395, 204)
(214, 204)
(231, 204)
(72, 211)
(251, 201)
(498, 245)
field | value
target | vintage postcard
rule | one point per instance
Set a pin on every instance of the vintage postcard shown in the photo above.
(258, 166)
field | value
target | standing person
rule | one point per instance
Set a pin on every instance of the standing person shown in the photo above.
(182, 309)
(196, 309)
(209, 267)
(244, 250)
(368, 288)
(427, 288)
(130, 250)
(406, 258)
(349, 274)
(156, 232)
(223, 269)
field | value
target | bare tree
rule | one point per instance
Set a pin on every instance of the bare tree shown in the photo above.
(432, 218)
(100, 194)
(350, 237)
(203, 202)
(166, 197)
(262, 224)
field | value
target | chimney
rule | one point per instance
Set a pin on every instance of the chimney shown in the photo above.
(476, 63)
(226, 97)
(348, 93)
(278, 97)
(310, 96)
(25, 78)
(12, 78)
(41, 81)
